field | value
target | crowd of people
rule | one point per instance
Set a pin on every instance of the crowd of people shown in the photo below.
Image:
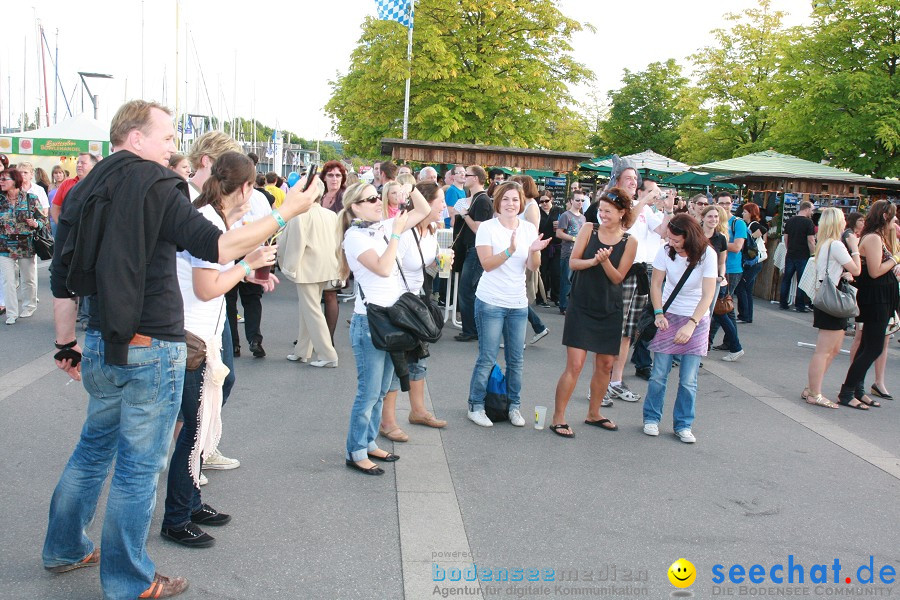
(633, 269)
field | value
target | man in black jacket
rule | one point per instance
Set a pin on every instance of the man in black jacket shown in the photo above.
(117, 239)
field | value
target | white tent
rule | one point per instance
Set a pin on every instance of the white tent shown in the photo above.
(648, 159)
(69, 138)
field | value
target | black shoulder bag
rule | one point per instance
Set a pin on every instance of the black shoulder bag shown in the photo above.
(646, 325)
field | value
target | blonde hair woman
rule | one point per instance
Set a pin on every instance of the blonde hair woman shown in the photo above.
(392, 198)
(832, 260)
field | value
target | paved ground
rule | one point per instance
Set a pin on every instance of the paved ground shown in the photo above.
(602, 515)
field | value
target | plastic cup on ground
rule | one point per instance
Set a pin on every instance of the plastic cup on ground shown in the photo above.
(540, 415)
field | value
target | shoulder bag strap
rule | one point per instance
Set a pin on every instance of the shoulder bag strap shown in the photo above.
(425, 279)
(678, 286)
(397, 260)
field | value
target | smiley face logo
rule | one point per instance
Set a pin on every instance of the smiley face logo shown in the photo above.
(682, 573)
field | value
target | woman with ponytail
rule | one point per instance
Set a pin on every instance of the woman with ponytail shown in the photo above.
(223, 200)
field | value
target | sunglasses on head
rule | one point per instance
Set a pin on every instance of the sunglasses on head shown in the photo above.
(370, 199)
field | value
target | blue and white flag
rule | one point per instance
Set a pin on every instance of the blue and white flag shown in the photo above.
(395, 10)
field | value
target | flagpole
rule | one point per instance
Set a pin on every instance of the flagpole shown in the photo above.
(409, 69)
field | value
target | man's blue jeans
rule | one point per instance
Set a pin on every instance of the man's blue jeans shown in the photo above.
(468, 284)
(374, 372)
(565, 283)
(791, 266)
(496, 324)
(130, 418)
(687, 389)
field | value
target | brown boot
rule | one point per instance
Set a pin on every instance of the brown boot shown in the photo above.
(165, 587)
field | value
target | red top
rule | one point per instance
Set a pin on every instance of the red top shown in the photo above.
(63, 190)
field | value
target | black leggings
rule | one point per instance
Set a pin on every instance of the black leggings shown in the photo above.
(870, 347)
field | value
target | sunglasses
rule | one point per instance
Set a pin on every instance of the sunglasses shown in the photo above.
(470, 175)
(544, 202)
(370, 200)
(6, 178)
(701, 203)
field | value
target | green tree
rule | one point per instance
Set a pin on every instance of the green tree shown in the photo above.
(484, 71)
(645, 112)
(843, 96)
(739, 86)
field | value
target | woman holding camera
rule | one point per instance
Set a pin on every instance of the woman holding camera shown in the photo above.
(370, 252)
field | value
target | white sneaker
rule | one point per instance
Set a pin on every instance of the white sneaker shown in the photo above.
(651, 428)
(686, 436)
(10, 320)
(26, 313)
(732, 357)
(605, 403)
(218, 462)
(516, 418)
(203, 479)
(622, 392)
(481, 418)
(540, 335)
(331, 364)
(295, 358)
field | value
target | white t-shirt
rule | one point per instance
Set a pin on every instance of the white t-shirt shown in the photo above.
(410, 260)
(505, 285)
(203, 319)
(649, 242)
(840, 256)
(41, 195)
(689, 296)
(379, 290)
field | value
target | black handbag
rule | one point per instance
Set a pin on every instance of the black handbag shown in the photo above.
(646, 325)
(42, 243)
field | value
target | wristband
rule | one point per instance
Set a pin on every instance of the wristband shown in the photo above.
(854, 253)
(65, 346)
(247, 269)
(394, 236)
(506, 252)
(278, 218)
(896, 258)
(657, 311)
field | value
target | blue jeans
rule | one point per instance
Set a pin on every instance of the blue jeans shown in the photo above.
(228, 359)
(496, 324)
(182, 498)
(130, 418)
(417, 370)
(374, 371)
(791, 266)
(468, 284)
(744, 292)
(565, 283)
(535, 321)
(687, 389)
(728, 321)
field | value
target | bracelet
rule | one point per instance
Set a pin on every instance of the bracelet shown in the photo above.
(854, 253)
(657, 311)
(394, 236)
(65, 346)
(896, 258)
(696, 322)
(247, 269)
(506, 252)
(278, 218)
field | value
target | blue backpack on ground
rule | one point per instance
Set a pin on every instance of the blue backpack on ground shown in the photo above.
(496, 402)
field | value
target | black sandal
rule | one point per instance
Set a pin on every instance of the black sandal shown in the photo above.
(859, 406)
(880, 394)
(602, 424)
(556, 429)
(874, 403)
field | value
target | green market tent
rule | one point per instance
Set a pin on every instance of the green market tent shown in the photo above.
(539, 174)
(698, 180)
(69, 138)
(770, 161)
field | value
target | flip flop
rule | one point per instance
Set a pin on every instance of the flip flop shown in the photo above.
(601, 424)
(556, 429)
(859, 406)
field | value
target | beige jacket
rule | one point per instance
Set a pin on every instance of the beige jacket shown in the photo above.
(309, 248)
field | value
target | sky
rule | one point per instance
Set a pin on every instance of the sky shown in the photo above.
(275, 65)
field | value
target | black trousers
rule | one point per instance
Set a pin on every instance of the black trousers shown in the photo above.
(251, 300)
(870, 348)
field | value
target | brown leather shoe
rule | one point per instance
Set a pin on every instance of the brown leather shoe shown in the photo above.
(165, 587)
(395, 435)
(91, 560)
(429, 420)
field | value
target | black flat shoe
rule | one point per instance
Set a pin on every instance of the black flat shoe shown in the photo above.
(374, 470)
(207, 515)
(387, 458)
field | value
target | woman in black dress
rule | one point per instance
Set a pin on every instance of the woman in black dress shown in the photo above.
(877, 297)
(602, 256)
